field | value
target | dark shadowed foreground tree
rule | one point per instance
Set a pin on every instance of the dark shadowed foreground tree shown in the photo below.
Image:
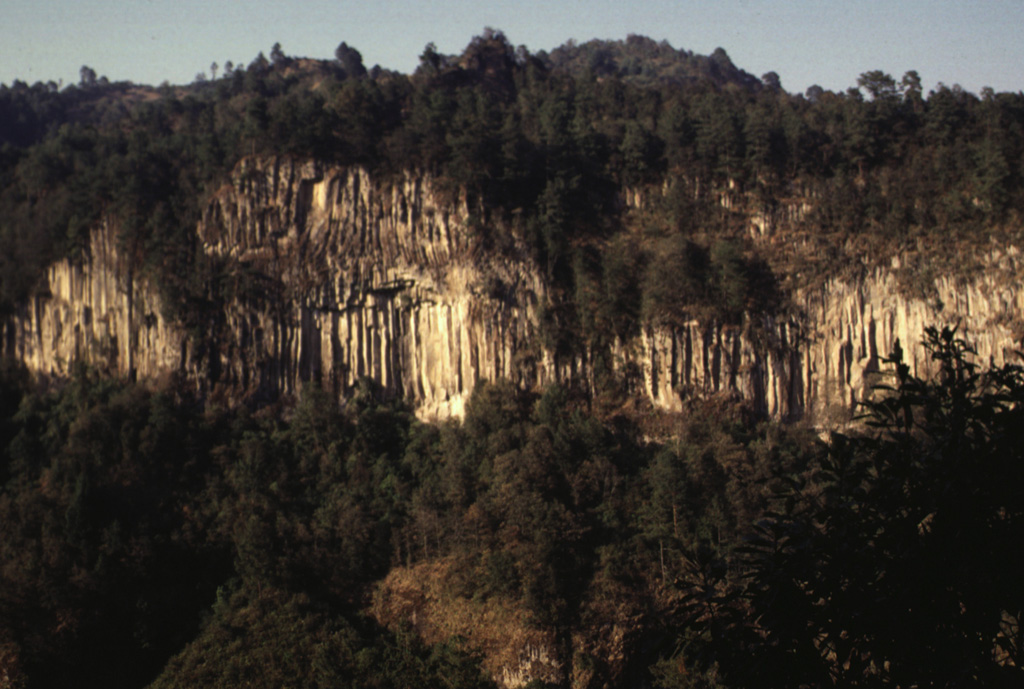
(892, 563)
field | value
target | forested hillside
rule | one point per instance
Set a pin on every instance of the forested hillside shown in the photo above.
(159, 533)
(542, 143)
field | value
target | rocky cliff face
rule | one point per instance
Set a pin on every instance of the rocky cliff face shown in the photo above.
(95, 310)
(820, 361)
(366, 280)
(343, 277)
(337, 277)
(851, 326)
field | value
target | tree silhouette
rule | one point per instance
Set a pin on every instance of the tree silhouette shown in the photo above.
(351, 60)
(893, 561)
(87, 75)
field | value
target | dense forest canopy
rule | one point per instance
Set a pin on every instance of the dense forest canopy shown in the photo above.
(544, 144)
(147, 539)
(150, 538)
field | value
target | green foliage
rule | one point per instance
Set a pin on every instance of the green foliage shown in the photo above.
(643, 61)
(641, 154)
(98, 580)
(885, 558)
(685, 280)
(281, 640)
(122, 511)
(890, 562)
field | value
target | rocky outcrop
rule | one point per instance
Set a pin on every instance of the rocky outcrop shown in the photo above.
(515, 651)
(95, 310)
(336, 276)
(851, 327)
(830, 352)
(367, 279)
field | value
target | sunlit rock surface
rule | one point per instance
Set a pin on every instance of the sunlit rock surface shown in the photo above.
(97, 310)
(341, 277)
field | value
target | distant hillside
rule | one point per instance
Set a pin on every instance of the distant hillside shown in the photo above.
(641, 60)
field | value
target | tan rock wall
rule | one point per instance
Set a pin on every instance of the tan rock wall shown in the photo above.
(380, 280)
(95, 310)
(383, 279)
(819, 362)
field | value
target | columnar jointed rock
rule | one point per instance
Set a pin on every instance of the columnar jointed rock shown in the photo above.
(95, 310)
(852, 326)
(351, 277)
(376, 280)
(820, 363)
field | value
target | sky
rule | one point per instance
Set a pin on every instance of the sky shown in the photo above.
(974, 43)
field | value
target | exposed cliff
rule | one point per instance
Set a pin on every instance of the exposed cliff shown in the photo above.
(342, 276)
(820, 361)
(364, 279)
(335, 276)
(95, 310)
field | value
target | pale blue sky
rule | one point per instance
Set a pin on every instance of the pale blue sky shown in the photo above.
(974, 43)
